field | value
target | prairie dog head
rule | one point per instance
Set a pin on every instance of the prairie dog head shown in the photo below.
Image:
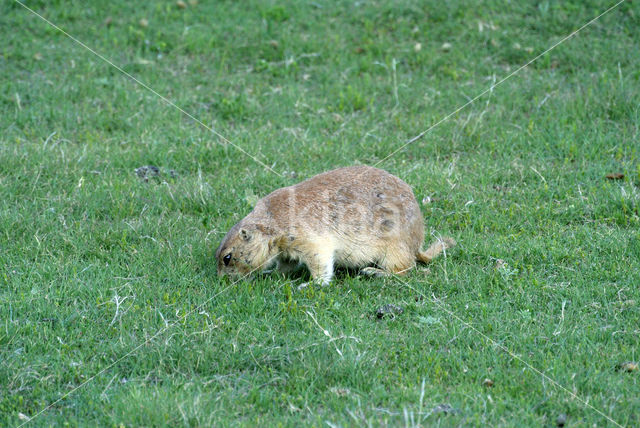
(246, 248)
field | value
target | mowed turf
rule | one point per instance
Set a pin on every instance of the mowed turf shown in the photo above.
(110, 310)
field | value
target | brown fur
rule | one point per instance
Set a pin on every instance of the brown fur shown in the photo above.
(353, 217)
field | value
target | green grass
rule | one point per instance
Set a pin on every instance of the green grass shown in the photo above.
(548, 262)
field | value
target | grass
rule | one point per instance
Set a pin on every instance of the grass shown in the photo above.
(95, 262)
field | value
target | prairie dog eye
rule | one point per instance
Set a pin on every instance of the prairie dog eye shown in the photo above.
(226, 259)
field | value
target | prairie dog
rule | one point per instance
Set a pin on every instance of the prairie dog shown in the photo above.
(356, 217)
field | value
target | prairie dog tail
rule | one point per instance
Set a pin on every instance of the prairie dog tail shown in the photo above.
(435, 249)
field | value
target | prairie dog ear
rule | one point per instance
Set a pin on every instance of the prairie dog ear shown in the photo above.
(245, 235)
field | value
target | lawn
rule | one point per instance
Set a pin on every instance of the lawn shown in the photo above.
(111, 313)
